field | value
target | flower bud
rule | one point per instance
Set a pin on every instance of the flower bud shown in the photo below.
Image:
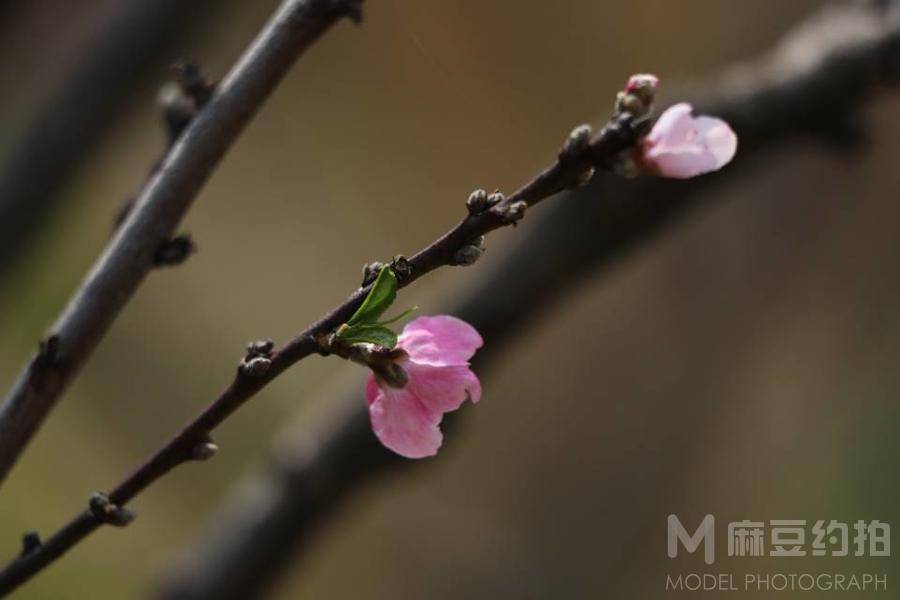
(477, 202)
(643, 85)
(255, 366)
(371, 271)
(577, 142)
(31, 541)
(205, 449)
(105, 511)
(470, 253)
(637, 98)
(496, 198)
(514, 212)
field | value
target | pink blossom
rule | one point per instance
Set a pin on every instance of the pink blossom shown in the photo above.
(682, 146)
(438, 350)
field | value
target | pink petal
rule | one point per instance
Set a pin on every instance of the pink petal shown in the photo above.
(720, 139)
(438, 349)
(440, 341)
(681, 146)
(675, 126)
(372, 390)
(442, 389)
(401, 422)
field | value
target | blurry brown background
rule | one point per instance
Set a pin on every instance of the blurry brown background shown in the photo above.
(744, 364)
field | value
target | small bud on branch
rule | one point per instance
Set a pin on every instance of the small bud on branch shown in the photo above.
(31, 541)
(470, 253)
(205, 449)
(175, 251)
(477, 202)
(106, 512)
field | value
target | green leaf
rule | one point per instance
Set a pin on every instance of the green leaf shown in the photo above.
(367, 333)
(380, 298)
(402, 315)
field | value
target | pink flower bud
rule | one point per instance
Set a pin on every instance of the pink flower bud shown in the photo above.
(641, 82)
(683, 146)
(437, 352)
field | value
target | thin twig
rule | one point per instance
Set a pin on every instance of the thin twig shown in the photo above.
(850, 54)
(131, 253)
(261, 366)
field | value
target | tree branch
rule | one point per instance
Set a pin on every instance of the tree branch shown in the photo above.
(82, 108)
(160, 206)
(580, 155)
(812, 84)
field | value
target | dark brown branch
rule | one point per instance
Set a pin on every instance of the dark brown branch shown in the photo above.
(159, 208)
(78, 113)
(851, 53)
(261, 365)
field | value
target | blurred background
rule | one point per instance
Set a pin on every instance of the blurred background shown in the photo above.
(742, 364)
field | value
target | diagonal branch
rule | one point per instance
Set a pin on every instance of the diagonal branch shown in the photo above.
(580, 155)
(812, 84)
(159, 208)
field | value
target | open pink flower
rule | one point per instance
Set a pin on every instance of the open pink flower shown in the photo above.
(682, 146)
(438, 351)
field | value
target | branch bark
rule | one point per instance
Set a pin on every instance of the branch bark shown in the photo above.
(159, 208)
(810, 86)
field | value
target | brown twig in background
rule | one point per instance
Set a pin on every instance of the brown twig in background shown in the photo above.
(579, 156)
(132, 252)
(75, 115)
(848, 54)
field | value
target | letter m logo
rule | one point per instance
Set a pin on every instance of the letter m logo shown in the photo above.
(705, 533)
